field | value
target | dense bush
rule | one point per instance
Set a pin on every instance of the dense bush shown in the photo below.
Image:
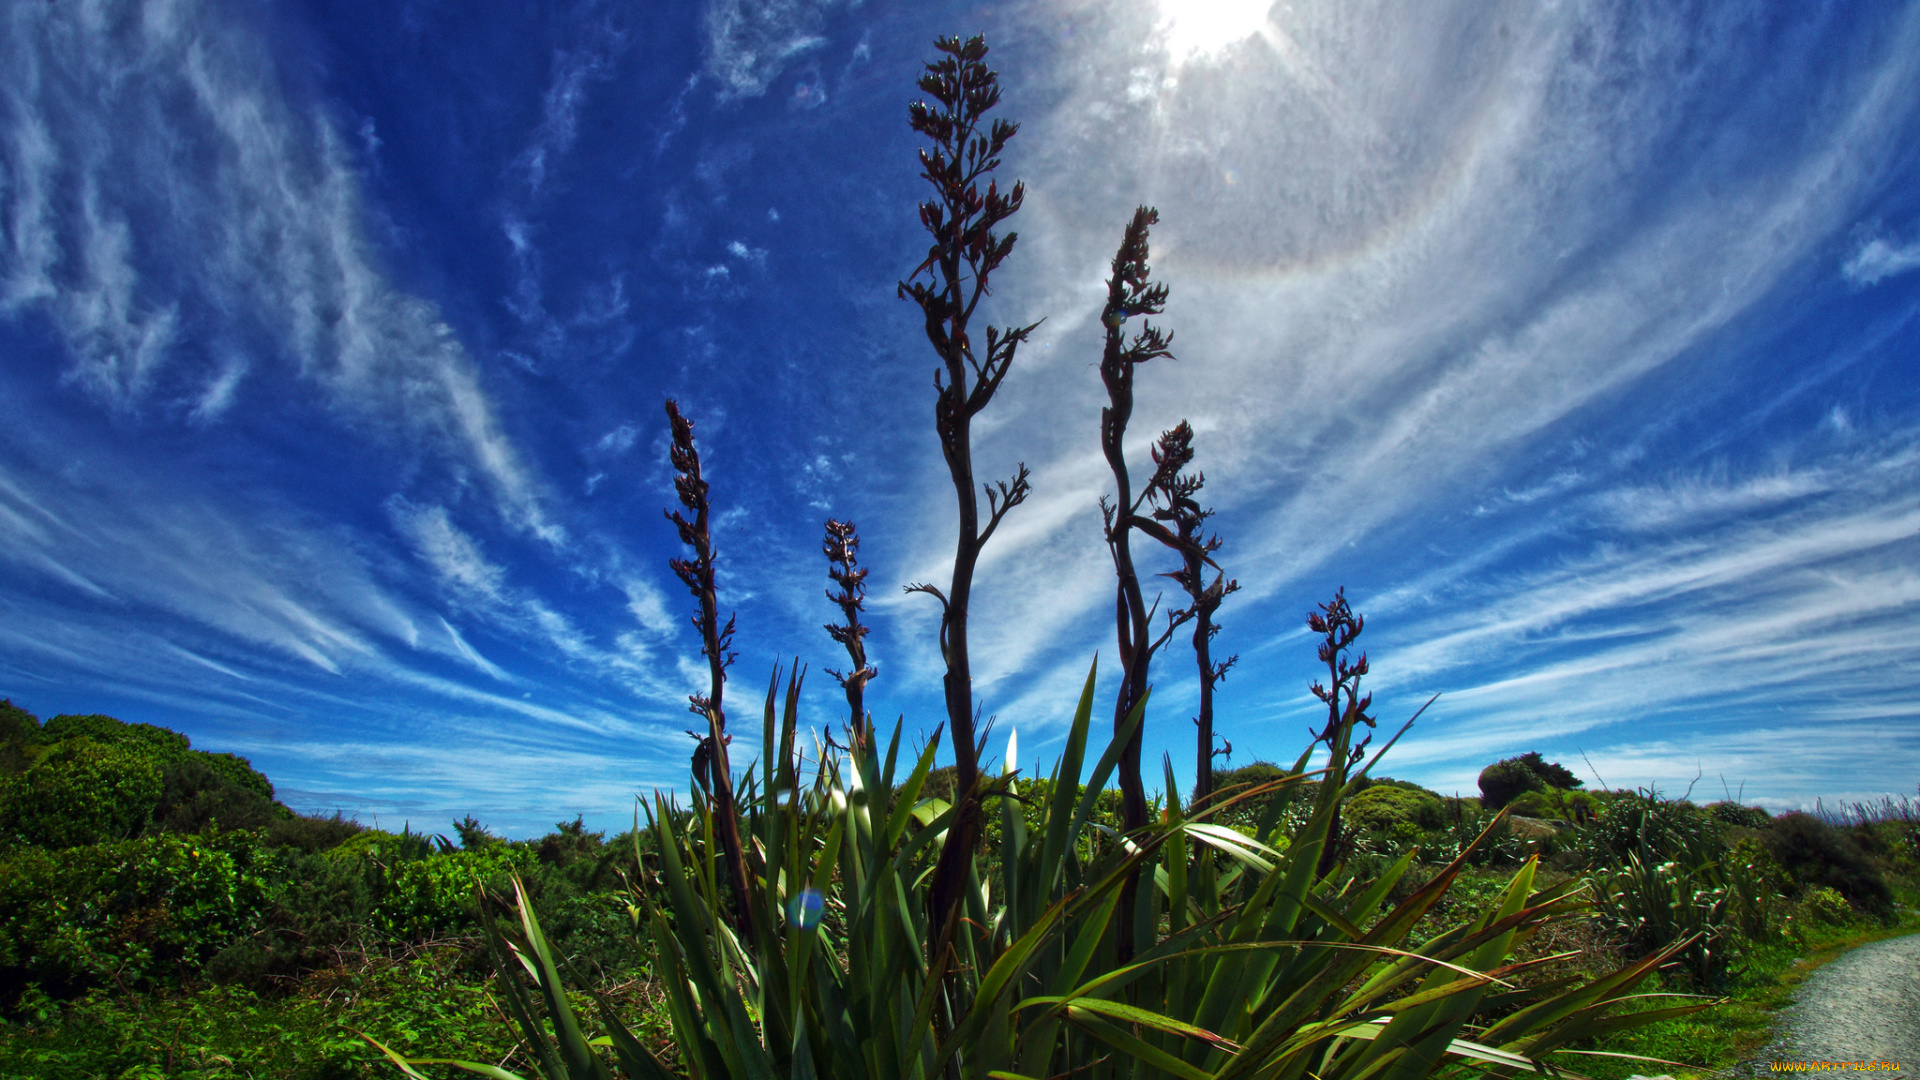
(1394, 814)
(19, 737)
(1817, 854)
(130, 914)
(1654, 828)
(1503, 781)
(1746, 817)
(1557, 805)
(202, 791)
(433, 897)
(1826, 906)
(81, 792)
(88, 779)
(157, 741)
(312, 834)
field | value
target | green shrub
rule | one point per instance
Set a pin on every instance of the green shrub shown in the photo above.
(311, 833)
(1654, 906)
(128, 914)
(93, 779)
(1394, 814)
(1756, 886)
(318, 915)
(81, 792)
(19, 737)
(431, 898)
(1504, 781)
(1555, 804)
(1747, 817)
(201, 791)
(1826, 906)
(111, 732)
(1817, 854)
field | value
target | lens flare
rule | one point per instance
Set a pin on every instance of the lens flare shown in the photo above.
(803, 911)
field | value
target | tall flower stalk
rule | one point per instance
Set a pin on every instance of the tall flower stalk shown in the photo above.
(711, 769)
(1129, 293)
(1173, 491)
(965, 251)
(1339, 628)
(841, 546)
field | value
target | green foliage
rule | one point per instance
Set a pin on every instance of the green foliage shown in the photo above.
(81, 791)
(93, 779)
(226, 1032)
(570, 842)
(1746, 817)
(1394, 814)
(19, 737)
(1505, 780)
(1825, 905)
(1817, 854)
(1655, 829)
(1480, 837)
(1551, 773)
(1556, 804)
(157, 741)
(312, 833)
(433, 897)
(472, 834)
(213, 791)
(131, 914)
(1662, 906)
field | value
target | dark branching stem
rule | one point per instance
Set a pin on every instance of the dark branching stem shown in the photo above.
(1172, 492)
(1338, 628)
(711, 769)
(1129, 293)
(842, 549)
(961, 218)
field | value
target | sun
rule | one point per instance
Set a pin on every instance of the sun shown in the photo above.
(1198, 28)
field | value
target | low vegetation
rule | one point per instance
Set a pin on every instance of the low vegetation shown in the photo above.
(168, 944)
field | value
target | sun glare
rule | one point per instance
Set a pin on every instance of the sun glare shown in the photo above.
(1197, 28)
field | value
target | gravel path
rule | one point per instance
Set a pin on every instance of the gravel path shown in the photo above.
(1864, 1006)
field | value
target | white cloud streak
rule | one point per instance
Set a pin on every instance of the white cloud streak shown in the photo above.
(154, 174)
(1878, 258)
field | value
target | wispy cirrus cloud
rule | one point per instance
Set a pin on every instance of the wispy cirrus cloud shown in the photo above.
(1711, 609)
(158, 176)
(1880, 257)
(750, 43)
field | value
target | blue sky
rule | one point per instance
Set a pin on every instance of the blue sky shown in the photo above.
(1579, 342)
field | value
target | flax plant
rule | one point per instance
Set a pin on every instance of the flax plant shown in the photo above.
(1262, 967)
